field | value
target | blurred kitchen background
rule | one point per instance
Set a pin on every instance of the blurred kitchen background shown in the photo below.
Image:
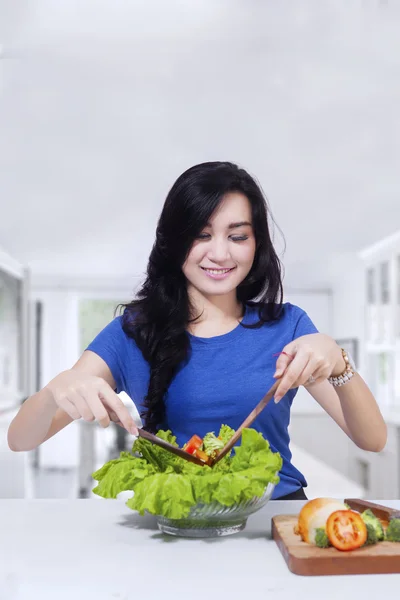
(103, 104)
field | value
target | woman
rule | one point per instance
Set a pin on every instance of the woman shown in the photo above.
(206, 336)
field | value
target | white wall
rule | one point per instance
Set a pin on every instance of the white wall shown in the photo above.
(10, 265)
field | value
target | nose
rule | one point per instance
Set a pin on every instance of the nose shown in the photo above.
(219, 250)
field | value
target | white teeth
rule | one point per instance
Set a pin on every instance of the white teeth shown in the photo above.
(217, 271)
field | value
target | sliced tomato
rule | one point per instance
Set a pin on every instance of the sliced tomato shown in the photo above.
(346, 530)
(193, 444)
(202, 455)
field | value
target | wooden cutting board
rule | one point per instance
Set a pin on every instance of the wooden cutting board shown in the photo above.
(306, 559)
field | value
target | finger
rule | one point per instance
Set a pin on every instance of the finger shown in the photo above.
(291, 374)
(113, 416)
(67, 406)
(316, 381)
(310, 370)
(80, 402)
(112, 401)
(284, 360)
(99, 410)
(319, 375)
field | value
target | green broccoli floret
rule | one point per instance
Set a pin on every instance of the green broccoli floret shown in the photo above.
(321, 538)
(370, 519)
(393, 531)
(372, 538)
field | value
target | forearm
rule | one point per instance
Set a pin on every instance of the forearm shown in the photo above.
(30, 426)
(362, 415)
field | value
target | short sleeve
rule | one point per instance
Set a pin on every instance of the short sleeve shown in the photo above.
(110, 345)
(301, 322)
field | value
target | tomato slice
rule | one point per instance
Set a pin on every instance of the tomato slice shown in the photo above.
(346, 530)
(202, 455)
(193, 444)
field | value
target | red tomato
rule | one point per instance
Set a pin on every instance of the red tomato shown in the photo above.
(346, 530)
(193, 444)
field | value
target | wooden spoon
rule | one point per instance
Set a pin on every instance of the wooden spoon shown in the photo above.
(246, 423)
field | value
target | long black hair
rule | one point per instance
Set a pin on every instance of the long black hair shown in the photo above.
(158, 317)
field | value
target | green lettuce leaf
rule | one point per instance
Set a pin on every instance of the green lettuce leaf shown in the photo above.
(121, 474)
(211, 442)
(167, 494)
(255, 451)
(158, 457)
(225, 433)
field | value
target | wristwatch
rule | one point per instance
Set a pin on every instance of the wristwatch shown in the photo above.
(347, 374)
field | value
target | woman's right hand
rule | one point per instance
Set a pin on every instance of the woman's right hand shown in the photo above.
(91, 398)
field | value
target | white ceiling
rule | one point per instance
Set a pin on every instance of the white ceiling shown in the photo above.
(104, 103)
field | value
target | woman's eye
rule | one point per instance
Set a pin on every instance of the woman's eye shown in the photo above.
(239, 238)
(234, 238)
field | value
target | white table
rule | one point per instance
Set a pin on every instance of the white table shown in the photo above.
(99, 549)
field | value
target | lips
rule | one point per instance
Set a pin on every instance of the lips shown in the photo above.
(218, 273)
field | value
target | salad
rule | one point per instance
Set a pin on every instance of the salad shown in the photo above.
(166, 485)
(208, 448)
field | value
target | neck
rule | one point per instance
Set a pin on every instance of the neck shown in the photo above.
(215, 308)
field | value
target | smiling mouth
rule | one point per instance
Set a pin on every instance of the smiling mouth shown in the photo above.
(217, 271)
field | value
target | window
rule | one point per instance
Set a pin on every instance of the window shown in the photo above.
(384, 268)
(371, 296)
(12, 356)
(94, 315)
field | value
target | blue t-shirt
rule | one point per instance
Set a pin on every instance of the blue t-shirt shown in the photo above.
(224, 379)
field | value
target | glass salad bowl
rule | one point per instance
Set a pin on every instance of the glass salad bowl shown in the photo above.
(213, 520)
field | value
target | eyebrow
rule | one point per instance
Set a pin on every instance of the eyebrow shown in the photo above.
(235, 225)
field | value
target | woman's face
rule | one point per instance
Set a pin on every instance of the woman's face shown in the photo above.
(223, 254)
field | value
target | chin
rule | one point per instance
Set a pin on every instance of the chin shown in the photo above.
(215, 289)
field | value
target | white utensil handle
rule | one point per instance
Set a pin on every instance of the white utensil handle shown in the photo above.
(131, 406)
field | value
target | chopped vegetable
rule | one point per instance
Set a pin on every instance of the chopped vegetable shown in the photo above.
(393, 531)
(321, 538)
(346, 530)
(193, 444)
(370, 519)
(225, 433)
(202, 455)
(212, 444)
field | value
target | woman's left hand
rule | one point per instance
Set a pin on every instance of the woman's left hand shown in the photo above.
(307, 360)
